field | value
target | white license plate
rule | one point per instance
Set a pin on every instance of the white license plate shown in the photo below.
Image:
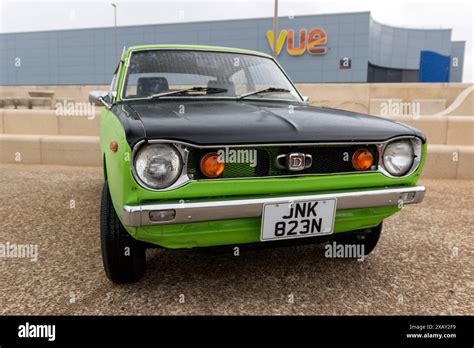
(298, 219)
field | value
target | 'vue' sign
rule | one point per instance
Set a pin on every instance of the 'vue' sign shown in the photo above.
(298, 43)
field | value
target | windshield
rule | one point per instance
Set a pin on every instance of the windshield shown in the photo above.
(204, 74)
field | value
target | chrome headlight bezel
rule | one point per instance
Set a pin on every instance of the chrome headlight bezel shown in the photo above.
(417, 149)
(147, 184)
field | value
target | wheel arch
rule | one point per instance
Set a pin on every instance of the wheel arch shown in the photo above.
(104, 166)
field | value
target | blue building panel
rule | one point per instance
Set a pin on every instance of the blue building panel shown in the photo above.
(434, 67)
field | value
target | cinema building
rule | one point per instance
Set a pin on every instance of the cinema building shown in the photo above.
(344, 47)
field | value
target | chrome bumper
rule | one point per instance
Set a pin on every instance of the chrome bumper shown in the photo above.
(222, 209)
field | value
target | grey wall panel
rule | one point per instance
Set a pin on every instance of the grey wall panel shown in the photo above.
(399, 48)
(457, 61)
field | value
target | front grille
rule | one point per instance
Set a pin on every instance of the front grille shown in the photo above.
(325, 160)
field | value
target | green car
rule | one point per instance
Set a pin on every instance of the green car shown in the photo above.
(209, 146)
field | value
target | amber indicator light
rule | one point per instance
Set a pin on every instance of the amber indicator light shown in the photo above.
(113, 146)
(362, 159)
(211, 166)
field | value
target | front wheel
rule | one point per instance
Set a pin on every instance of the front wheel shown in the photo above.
(122, 255)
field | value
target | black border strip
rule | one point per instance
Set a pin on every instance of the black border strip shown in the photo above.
(220, 330)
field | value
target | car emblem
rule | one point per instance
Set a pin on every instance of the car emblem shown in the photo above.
(294, 162)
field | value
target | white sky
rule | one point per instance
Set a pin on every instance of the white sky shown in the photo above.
(21, 15)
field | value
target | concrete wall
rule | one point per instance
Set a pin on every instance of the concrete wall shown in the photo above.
(78, 92)
(42, 137)
(354, 97)
(358, 97)
(441, 130)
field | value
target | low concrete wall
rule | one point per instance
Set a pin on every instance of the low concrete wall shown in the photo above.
(448, 130)
(347, 96)
(80, 93)
(43, 137)
(443, 161)
(449, 162)
(46, 122)
(50, 149)
(358, 96)
(460, 130)
(442, 130)
(353, 97)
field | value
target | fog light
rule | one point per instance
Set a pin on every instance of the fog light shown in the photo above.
(162, 215)
(407, 196)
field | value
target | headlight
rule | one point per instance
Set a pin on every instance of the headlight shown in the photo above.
(398, 157)
(158, 165)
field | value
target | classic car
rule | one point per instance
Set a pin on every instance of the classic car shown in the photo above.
(211, 146)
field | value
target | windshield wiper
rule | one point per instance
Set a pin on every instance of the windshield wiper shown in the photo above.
(212, 90)
(265, 90)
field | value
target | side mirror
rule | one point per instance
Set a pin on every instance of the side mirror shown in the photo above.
(95, 97)
(306, 99)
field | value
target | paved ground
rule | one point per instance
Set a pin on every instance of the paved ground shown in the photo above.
(423, 264)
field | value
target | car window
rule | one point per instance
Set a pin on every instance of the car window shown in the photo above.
(241, 82)
(174, 81)
(221, 74)
(113, 85)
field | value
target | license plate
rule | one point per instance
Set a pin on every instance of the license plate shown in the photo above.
(297, 219)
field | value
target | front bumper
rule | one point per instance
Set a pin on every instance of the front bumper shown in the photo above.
(225, 209)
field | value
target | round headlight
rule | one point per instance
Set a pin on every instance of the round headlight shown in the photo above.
(158, 165)
(398, 157)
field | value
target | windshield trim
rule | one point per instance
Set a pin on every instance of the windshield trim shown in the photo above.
(125, 76)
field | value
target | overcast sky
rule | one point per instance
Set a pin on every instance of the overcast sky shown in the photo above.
(35, 15)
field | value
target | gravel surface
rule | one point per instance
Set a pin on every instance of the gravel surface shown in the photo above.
(423, 264)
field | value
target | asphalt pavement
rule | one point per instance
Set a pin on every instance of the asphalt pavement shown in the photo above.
(423, 263)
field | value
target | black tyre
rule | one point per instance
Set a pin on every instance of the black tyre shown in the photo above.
(122, 255)
(368, 238)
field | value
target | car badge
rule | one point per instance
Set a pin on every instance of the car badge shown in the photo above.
(294, 162)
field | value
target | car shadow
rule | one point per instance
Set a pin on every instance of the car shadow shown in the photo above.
(225, 264)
